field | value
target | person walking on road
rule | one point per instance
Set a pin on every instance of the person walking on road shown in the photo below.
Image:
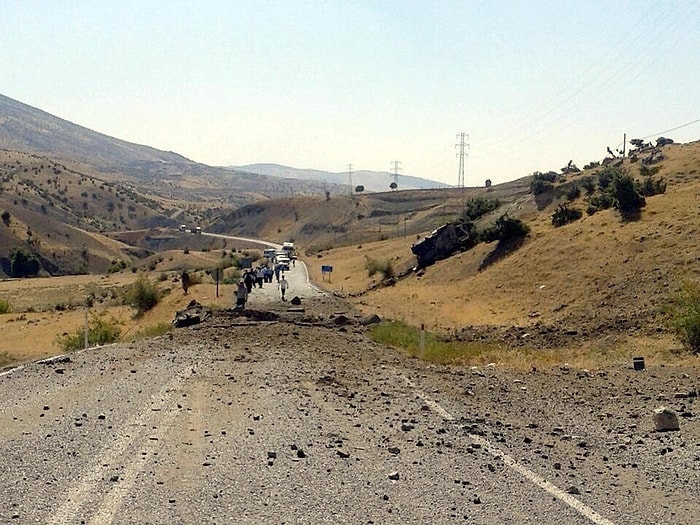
(248, 280)
(241, 294)
(283, 285)
(185, 278)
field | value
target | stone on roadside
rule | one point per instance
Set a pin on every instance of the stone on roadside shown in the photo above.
(394, 476)
(295, 300)
(665, 419)
(370, 319)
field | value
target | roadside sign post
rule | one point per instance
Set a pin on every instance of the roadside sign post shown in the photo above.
(326, 270)
(87, 327)
(216, 277)
(422, 340)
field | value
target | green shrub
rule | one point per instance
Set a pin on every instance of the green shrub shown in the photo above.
(606, 177)
(477, 207)
(588, 184)
(686, 317)
(151, 331)
(627, 199)
(538, 186)
(117, 265)
(601, 201)
(101, 331)
(142, 295)
(505, 228)
(564, 215)
(5, 307)
(23, 263)
(543, 182)
(649, 187)
(573, 192)
(648, 171)
(385, 268)
(231, 277)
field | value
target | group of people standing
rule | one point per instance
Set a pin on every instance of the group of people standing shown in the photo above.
(257, 277)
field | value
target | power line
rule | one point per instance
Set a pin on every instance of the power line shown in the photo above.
(645, 47)
(672, 129)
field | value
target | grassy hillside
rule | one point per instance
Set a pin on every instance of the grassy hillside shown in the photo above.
(319, 223)
(598, 277)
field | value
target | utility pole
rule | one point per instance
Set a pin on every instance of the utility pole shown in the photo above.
(350, 177)
(624, 145)
(463, 137)
(396, 167)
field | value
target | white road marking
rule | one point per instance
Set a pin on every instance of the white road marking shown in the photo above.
(308, 281)
(80, 493)
(11, 370)
(492, 449)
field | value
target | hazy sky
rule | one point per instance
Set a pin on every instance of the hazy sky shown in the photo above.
(321, 84)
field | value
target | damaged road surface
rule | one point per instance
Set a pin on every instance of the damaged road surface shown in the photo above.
(296, 417)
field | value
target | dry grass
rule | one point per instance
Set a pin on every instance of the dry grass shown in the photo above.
(597, 266)
(33, 335)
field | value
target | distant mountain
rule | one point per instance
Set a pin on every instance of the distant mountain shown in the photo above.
(25, 128)
(371, 180)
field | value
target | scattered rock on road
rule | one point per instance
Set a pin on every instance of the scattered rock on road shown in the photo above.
(370, 319)
(665, 419)
(195, 313)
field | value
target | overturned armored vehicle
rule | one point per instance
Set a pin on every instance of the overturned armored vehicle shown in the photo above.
(453, 237)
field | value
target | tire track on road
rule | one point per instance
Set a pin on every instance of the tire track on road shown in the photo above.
(86, 487)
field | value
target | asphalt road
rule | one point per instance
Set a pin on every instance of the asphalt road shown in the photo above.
(302, 419)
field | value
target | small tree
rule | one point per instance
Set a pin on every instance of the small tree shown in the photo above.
(393, 186)
(5, 217)
(359, 188)
(488, 183)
